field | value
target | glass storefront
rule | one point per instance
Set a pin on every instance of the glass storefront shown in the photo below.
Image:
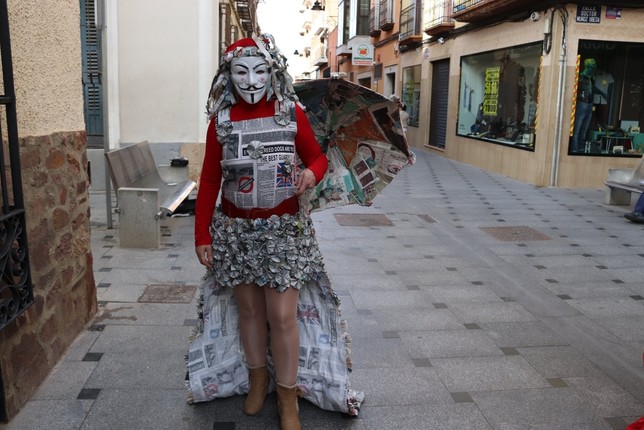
(609, 99)
(498, 96)
(411, 92)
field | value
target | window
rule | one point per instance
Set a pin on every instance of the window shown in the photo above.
(343, 19)
(499, 94)
(411, 92)
(608, 105)
(359, 22)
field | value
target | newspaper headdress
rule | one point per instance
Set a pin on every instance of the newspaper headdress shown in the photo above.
(222, 94)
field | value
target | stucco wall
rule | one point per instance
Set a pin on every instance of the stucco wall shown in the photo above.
(47, 65)
(159, 71)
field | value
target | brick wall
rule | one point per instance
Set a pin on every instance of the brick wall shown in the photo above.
(55, 188)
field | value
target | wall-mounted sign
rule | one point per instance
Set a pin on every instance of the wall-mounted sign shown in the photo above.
(362, 54)
(613, 12)
(589, 14)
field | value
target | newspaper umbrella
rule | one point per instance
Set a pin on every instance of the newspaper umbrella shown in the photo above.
(360, 132)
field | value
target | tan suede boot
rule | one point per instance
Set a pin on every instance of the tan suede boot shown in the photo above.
(288, 408)
(258, 380)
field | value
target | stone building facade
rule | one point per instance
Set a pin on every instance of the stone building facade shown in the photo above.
(45, 42)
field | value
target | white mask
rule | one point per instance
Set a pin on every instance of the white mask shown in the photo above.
(251, 77)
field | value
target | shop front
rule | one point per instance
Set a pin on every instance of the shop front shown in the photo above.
(555, 99)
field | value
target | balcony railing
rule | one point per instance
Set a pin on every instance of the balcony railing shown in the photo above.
(320, 57)
(487, 10)
(440, 18)
(246, 11)
(386, 15)
(410, 20)
(374, 21)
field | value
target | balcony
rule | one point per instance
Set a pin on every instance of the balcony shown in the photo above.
(440, 19)
(321, 58)
(374, 21)
(488, 10)
(386, 15)
(410, 21)
(246, 11)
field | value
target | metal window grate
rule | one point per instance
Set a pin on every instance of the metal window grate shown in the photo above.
(16, 290)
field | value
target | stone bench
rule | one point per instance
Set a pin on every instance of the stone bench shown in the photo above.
(622, 182)
(143, 197)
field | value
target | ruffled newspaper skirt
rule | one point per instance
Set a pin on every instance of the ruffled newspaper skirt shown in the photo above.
(278, 252)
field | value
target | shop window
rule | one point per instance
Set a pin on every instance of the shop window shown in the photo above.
(411, 92)
(608, 104)
(499, 94)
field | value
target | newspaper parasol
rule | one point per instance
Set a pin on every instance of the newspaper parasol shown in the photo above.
(360, 132)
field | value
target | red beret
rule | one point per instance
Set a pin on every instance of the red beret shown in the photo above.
(241, 43)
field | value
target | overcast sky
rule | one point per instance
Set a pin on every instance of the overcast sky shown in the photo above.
(282, 18)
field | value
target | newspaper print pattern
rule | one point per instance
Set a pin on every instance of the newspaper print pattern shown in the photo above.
(279, 252)
(215, 359)
(257, 159)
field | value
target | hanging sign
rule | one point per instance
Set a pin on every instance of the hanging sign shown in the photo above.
(362, 54)
(589, 14)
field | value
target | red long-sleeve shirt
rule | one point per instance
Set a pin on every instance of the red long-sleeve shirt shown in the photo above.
(210, 183)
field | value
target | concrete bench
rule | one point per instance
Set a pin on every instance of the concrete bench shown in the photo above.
(143, 197)
(622, 182)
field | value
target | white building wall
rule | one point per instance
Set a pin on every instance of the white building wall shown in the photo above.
(164, 50)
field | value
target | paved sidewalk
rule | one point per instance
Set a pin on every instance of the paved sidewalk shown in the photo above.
(486, 304)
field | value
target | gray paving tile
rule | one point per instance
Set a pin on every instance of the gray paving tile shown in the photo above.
(629, 328)
(491, 312)
(81, 345)
(607, 307)
(159, 371)
(146, 409)
(487, 373)
(454, 416)
(553, 408)
(606, 397)
(50, 414)
(449, 343)
(403, 386)
(65, 380)
(559, 361)
(145, 313)
(517, 334)
(385, 299)
(369, 282)
(455, 293)
(379, 353)
(416, 319)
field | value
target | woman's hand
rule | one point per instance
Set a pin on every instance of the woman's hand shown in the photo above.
(305, 181)
(204, 253)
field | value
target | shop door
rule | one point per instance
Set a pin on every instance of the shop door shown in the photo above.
(92, 82)
(438, 109)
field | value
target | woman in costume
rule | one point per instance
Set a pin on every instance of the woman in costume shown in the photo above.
(260, 248)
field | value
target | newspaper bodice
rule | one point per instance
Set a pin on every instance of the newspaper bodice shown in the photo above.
(258, 159)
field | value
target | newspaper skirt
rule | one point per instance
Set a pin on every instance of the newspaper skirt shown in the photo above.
(277, 252)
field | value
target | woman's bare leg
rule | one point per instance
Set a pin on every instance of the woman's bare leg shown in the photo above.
(252, 322)
(281, 311)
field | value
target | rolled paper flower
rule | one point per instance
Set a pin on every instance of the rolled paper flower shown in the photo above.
(255, 149)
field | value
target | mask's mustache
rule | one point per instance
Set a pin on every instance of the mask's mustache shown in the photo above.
(252, 88)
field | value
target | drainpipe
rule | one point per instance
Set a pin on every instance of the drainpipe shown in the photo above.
(554, 171)
(100, 15)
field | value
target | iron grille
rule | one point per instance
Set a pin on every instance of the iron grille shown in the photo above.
(410, 21)
(16, 290)
(386, 14)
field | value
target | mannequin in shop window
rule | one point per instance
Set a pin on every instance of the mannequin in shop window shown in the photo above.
(586, 91)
